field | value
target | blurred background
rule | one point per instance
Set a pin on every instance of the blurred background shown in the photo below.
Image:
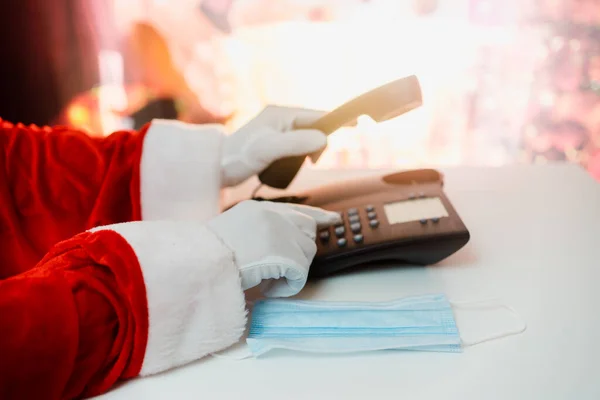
(504, 81)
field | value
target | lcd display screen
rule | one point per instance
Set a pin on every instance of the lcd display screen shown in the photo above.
(415, 210)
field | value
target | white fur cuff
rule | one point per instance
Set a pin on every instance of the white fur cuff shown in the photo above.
(196, 305)
(181, 171)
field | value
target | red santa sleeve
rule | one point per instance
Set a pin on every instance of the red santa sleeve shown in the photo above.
(94, 286)
(116, 302)
(58, 182)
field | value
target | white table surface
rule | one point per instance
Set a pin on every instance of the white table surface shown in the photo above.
(535, 244)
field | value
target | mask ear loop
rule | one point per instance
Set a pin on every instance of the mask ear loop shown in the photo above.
(482, 304)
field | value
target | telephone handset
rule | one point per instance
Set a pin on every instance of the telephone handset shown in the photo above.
(382, 103)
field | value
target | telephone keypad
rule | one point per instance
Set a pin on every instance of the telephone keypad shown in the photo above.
(355, 227)
(350, 228)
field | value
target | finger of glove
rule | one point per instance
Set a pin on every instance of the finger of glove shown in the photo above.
(322, 217)
(305, 237)
(309, 247)
(304, 118)
(288, 144)
(284, 118)
(304, 222)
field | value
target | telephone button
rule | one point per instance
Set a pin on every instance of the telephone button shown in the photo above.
(358, 238)
(324, 236)
(339, 231)
(352, 211)
(374, 223)
(372, 215)
(355, 227)
(353, 218)
(435, 219)
(423, 221)
(370, 208)
(342, 242)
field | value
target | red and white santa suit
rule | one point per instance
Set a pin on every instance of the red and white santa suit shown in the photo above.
(109, 267)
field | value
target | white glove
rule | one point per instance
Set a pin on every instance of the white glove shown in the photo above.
(253, 147)
(270, 241)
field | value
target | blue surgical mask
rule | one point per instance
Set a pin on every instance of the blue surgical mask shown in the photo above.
(417, 323)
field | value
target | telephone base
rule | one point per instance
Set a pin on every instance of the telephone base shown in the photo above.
(409, 253)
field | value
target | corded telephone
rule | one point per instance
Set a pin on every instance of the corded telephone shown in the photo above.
(402, 217)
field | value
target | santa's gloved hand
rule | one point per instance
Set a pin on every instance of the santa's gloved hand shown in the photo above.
(270, 136)
(273, 243)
